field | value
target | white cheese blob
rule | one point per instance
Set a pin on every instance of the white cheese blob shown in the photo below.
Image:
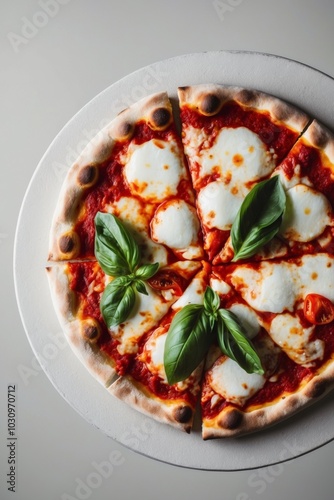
(219, 286)
(156, 346)
(219, 203)
(307, 214)
(287, 331)
(248, 319)
(175, 224)
(154, 170)
(233, 383)
(194, 293)
(237, 154)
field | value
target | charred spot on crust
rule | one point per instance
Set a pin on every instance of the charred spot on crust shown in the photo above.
(232, 419)
(247, 96)
(88, 175)
(210, 104)
(183, 414)
(124, 130)
(160, 118)
(69, 244)
(91, 331)
(317, 389)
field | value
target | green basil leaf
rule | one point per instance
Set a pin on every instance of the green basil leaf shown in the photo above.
(117, 301)
(115, 248)
(234, 343)
(187, 342)
(211, 301)
(259, 218)
(140, 286)
(146, 271)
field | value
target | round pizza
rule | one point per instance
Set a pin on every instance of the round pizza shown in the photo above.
(191, 259)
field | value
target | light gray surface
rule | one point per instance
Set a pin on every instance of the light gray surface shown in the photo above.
(48, 73)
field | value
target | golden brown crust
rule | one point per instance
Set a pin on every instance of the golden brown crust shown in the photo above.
(175, 413)
(233, 422)
(318, 136)
(81, 334)
(209, 98)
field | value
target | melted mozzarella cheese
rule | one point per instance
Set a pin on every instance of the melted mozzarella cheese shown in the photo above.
(247, 318)
(237, 152)
(218, 204)
(154, 170)
(147, 312)
(193, 294)
(233, 383)
(294, 339)
(175, 224)
(268, 288)
(156, 346)
(307, 214)
(219, 286)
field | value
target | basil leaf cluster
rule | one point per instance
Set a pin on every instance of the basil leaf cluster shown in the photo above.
(118, 254)
(192, 331)
(259, 218)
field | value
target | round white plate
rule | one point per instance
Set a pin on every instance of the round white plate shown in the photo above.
(303, 86)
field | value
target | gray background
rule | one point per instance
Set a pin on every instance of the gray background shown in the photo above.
(51, 65)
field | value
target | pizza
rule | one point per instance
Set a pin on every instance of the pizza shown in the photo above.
(191, 259)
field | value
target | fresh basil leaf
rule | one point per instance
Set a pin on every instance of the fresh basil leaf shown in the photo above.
(259, 218)
(140, 287)
(234, 343)
(187, 342)
(211, 301)
(146, 271)
(117, 301)
(115, 248)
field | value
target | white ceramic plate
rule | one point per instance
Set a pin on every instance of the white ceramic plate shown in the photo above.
(303, 86)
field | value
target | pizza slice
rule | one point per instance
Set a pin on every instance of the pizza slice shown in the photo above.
(297, 357)
(145, 387)
(233, 138)
(134, 168)
(306, 174)
(77, 290)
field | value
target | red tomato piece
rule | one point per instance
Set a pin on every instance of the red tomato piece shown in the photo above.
(167, 280)
(318, 310)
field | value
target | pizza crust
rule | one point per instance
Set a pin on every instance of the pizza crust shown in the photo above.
(208, 99)
(81, 334)
(178, 414)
